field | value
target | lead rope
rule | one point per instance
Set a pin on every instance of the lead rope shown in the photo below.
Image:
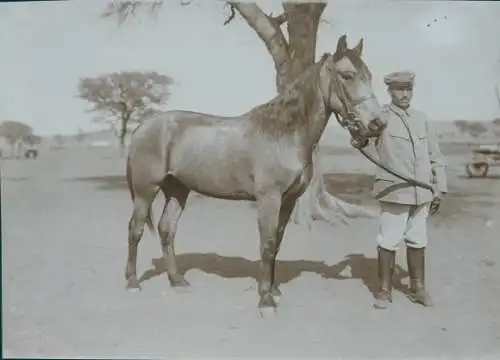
(372, 159)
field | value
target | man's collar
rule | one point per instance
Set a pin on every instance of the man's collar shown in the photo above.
(399, 111)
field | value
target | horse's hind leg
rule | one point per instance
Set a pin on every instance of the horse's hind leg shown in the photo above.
(135, 231)
(176, 196)
(287, 206)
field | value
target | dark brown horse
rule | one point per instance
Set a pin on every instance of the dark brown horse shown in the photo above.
(264, 155)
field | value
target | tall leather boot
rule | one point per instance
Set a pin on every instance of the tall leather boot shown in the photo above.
(386, 264)
(416, 270)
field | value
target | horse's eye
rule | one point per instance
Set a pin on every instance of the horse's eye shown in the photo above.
(347, 75)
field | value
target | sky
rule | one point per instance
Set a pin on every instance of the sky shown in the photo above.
(47, 47)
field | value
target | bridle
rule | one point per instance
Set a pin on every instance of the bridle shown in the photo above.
(348, 119)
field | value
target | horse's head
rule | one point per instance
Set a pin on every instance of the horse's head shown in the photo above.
(346, 83)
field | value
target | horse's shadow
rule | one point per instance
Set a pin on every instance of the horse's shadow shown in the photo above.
(362, 268)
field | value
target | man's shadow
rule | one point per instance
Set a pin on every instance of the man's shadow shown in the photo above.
(362, 268)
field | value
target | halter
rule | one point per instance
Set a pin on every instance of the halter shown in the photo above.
(347, 118)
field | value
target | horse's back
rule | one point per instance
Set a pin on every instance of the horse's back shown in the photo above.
(207, 153)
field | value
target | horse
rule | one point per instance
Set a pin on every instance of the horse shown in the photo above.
(263, 155)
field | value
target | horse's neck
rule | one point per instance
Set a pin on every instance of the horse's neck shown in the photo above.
(318, 120)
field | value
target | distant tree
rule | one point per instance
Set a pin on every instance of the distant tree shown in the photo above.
(14, 131)
(125, 97)
(32, 139)
(461, 125)
(59, 140)
(80, 136)
(472, 128)
(496, 126)
(476, 129)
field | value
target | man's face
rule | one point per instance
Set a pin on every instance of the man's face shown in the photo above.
(401, 95)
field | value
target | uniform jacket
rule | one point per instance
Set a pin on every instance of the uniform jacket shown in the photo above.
(412, 151)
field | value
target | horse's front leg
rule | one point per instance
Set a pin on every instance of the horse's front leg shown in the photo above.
(286, 209)
(268, 205)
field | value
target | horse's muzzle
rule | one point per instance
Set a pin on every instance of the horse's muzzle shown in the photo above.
(376, 126)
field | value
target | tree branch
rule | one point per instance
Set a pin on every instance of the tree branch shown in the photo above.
(124, 9)
(278, 20)
(232, 14)
(268, 31)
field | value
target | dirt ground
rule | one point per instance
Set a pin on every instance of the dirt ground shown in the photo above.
(64, 246)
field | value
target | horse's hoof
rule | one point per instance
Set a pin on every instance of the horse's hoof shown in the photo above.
(382, 303)
(276, 294)
(268, 313)
(267, 307)
(178, 281)
(267, 301)
(133, 286)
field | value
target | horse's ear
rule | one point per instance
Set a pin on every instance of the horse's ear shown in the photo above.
(358, 49)
(341, 45)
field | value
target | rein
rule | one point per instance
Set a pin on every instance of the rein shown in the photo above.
(349, 120)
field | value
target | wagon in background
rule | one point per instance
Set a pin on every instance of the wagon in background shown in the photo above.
(483, 157)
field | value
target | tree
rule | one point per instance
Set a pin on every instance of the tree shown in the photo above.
(59, 140)
(32, 139)
(496, 126)
(461, 125)
(125, 97)
(14, 131)
(476, 129)
(472, 128)
(291, 57)
(80, 136)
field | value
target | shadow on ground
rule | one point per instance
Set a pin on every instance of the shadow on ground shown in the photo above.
(105, 182)
(361, 268)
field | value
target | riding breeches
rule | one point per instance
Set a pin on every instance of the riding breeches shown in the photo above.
(400, 222)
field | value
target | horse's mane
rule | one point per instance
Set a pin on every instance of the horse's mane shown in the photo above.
(291, 108)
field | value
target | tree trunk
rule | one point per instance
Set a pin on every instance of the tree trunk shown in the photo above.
(123, 132)
(290, 60)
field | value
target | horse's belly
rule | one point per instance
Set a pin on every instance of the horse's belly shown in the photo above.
(301, 182)
(216, 181)
(213, 167)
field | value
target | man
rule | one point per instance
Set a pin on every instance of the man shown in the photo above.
(409, 146)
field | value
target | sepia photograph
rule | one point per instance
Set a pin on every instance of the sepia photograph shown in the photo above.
(210, 179)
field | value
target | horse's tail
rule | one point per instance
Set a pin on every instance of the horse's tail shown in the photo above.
(149, 219)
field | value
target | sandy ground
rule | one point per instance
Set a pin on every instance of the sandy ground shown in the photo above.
(64, 248)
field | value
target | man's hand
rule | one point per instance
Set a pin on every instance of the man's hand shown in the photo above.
(436, 204)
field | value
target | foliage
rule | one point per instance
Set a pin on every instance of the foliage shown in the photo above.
(125, 97)
(471, 128)
(13, 131)
(496, 126)
(59, 140)
(475, 129)
(80, 136)
(32, 139)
